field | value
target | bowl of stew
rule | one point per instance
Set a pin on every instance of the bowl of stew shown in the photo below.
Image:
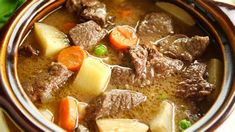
(118, 65)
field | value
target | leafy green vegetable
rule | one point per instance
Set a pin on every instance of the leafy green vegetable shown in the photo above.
(7, 8)
(184, 124)
(100, 50)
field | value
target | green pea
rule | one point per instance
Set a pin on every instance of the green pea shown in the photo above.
(100, 50)
(184, 124)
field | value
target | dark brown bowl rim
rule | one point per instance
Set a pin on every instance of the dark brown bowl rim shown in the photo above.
(10, 83)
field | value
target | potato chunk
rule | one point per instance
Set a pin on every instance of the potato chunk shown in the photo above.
(50, 39)
(47, 114)
(177, 12)
(93, 77)
(164, 120)
(121, 125)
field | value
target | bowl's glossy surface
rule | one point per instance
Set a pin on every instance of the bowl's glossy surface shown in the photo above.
(16, 103)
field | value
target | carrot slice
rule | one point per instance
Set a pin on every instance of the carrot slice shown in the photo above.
(68, 115)
(67, 26)
(72, 57)
(123, 37)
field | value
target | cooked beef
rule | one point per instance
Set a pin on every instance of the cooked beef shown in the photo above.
(77, 6)
(87, 34)
(193, 85)
(157, 66)
(154, 26)
(112, 102)
(139, 57)
(96, 13)
(28, 50)
(40, 88)
(89, 10)
(182, 47)
(122, 76)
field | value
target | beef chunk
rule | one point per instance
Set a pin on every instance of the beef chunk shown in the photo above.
(42, 86)
(139, 59)
(183, 48)
(77, 6)
(96, 13)
(155, 66)
(89, 10)
(87, 34)
(112, 102)
(28, 50)
(154, 26)
(194, 86)
(122, 76)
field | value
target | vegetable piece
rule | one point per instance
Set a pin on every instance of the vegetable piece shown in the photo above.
(82, 110)
(177, 12)
(100, 50)
(3, 123)
(51, 40)
(125, 13)
(123, 37)
(47, 114)
(164, 120)
(68, 113)
(67, 26)
(121, 125)
(184, 124)
(72, 57)
(93, 77)
(7, 9)
(215, 76)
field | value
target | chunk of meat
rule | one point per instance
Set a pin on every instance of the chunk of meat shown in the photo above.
(28, 50)
(122, 76)
(40, 88)
(139, 57)
(89, 10)
(86, 35)
(96, 13)
(77, 6)
(193, 85)
(182, 47)
(154, 26)
(157, 66)
(112, 102)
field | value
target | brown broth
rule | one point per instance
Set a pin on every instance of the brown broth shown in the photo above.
(162, 90)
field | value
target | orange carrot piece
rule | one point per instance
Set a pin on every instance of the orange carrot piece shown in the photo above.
(68, 115)
(67, 26)
(123, 37)
(72, 57)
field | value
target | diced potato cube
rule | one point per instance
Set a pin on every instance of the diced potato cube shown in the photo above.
(82, 110)
(177, 12)
(3, 123)
(51, 40)
(121, 125)
(164, 120)
(47, 114)
(93, 77)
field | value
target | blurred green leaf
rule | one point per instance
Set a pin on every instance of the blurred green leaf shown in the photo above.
(7, 8)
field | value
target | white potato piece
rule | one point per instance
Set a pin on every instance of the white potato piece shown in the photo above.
(3, 123)
(93, 77)
(82, 110)
(164, 119)
(177, 12)
(47, 114)
(51, 40)
(121, 125)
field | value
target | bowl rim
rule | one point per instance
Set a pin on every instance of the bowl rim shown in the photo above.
(7, 86)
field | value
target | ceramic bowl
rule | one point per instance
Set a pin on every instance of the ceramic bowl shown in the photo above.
(19, 107)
